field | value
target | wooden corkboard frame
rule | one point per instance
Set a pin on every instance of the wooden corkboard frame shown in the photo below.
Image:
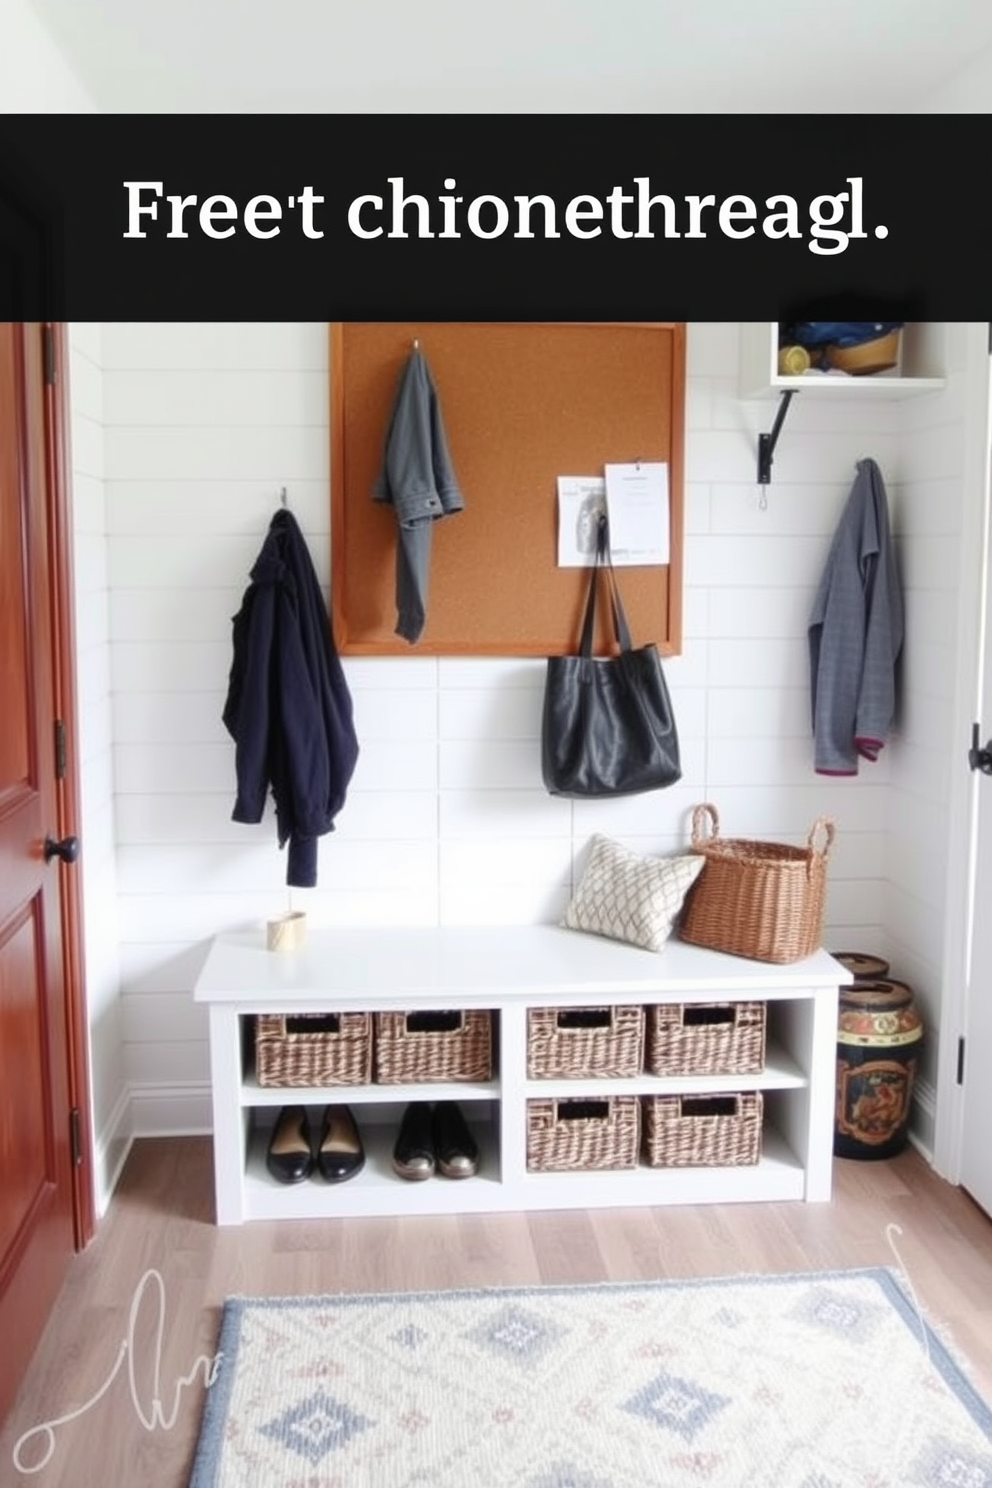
(522, 403)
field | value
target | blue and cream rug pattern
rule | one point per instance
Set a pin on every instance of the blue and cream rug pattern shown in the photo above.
(828, 1380)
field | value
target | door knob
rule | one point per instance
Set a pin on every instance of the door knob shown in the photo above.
(67, 849)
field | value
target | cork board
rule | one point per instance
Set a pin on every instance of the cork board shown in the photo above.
(522, 403)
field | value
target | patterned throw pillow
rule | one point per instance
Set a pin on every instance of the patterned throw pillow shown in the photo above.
(629, 897)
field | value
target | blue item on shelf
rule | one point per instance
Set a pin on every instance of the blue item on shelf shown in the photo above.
(838, 332)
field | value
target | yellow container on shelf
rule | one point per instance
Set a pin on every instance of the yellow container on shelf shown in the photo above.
(793, 361)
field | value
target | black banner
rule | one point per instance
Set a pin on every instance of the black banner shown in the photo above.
(357, 217)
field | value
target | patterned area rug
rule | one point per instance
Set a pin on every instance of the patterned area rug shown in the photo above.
(830, 1380)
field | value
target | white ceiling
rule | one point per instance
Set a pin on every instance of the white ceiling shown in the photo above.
(513, 56)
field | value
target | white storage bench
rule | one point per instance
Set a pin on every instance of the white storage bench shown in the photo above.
(508, 971)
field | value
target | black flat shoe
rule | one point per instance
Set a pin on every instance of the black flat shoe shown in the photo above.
(289, 1157)
(455, 1149)
(413, 1154)
(340, 1154)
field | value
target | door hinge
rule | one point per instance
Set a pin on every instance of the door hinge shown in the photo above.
(979, 758)
(48, 350)
(60, 765)
(960, 1061)
(75, 1137)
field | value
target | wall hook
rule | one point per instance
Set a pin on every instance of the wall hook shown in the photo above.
(283, 497)
(767, 442)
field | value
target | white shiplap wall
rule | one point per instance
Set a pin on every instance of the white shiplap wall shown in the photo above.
(938, 521)
(446, 820)
(109, 1099)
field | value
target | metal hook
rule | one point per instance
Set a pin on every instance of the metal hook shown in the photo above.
(283, 497)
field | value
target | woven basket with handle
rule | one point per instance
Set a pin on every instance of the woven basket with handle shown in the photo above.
(764, 900)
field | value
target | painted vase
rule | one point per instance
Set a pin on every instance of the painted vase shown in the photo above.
(879, 1033)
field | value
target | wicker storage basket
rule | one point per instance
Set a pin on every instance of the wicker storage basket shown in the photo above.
(719, 1038)
(433, 1046)
(575, 1135)
(313, 1048)
(579, 1042)
(702, 1131)
(759, 899)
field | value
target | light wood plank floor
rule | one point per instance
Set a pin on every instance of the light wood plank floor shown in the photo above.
(161, 1218)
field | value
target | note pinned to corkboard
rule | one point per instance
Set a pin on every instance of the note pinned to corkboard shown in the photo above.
(523, 402)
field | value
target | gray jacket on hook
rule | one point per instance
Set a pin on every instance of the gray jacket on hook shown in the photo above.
(856, 633)
(419, 482)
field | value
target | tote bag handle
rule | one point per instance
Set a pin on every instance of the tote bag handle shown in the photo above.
(604, 563)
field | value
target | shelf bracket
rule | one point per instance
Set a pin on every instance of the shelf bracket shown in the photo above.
(767, 442)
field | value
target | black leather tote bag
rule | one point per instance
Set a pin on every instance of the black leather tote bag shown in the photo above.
(608, 728)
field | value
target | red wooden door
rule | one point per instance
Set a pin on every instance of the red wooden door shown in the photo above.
(36, 1178)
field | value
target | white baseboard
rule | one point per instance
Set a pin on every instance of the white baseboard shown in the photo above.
(923, 1118)
(146, 1111)
(110, 1149)
(169, 1110)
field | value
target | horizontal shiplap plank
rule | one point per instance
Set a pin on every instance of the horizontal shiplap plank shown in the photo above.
(226, 506)
(233, 398)
(174, 870)
(273, 346)
(378, 716)
(202, 819)
(489, 764)
(206, 819)
(162, 1018)
(169, 1062)
(775, 661)
(931, 564)
(147, 612)
(790, 509)
(660, 817)
(743, 612)
(166, 718)
(481, 815)
(689, 668)
(490, 713)
(171, 666)
(215, 561)
(174, 769)
(272, 453)
(768, 762)
(754, 561)
(88, 445)
(787, 813)
(711, 346)
(758, 712)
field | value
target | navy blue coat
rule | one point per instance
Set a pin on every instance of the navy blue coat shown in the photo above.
(288, 707)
